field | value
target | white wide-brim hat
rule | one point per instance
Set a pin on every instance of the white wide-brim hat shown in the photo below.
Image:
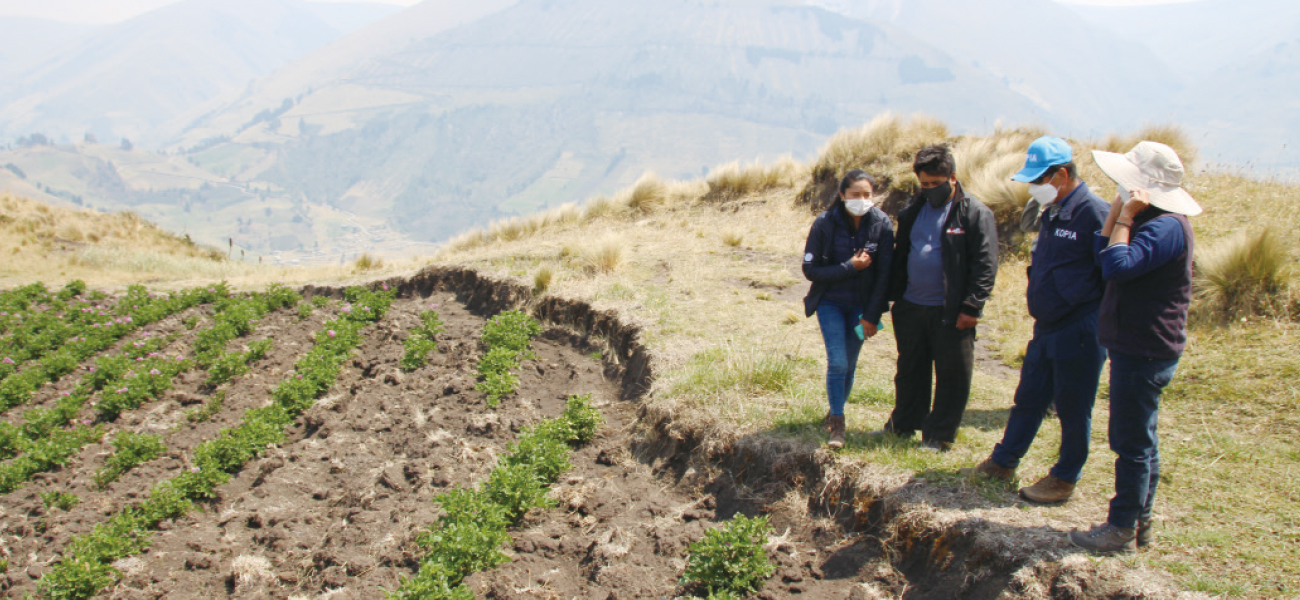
(1153, 167)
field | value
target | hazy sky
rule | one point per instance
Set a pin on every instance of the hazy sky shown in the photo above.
(105, 11)
(108, 11)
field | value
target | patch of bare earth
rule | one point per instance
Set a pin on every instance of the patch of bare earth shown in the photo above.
(333, 511)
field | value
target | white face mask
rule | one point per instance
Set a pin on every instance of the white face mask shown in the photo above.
(1044, 193)
(858, 206)
(1124, 196)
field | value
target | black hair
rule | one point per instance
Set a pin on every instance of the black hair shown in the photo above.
(853, 177)
(1069, 167)
(936, 161)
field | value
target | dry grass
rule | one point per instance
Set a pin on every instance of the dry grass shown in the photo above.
(1245, 275)
(884, 147)
(601, 256)
(1169, 135)
(367, 263)
(733, 180)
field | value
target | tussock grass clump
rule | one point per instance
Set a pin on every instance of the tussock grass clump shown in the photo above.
(733, 180)
(1169, 135)
(649, 194)
(1243, 275)
(884, 147)
(599, 257)
(542, 280)
(366, 262)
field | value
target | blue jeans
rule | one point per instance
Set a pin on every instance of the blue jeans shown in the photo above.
(842, 346)
(1062, 368)
(1135, 386)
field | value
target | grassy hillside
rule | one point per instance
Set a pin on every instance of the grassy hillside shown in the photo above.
(710, 271)
(52, 244)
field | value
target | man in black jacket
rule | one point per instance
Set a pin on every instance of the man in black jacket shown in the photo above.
(945, 264)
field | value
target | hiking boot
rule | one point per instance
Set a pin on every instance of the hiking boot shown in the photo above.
(1106, 539)
(1144, 534)
(1048, 490)
(837, 433)
(990, 469)
(826, 422)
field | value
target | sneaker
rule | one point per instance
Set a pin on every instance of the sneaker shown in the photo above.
(990, 469)
(837, 433)
(934, 446)
(1106, 539)
(1144, 534)
(1048, 490)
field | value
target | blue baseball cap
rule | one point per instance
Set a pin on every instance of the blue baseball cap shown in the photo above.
(1046, 152)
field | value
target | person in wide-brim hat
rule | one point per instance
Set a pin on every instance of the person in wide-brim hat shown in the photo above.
(1154, 168)
(1147, 266)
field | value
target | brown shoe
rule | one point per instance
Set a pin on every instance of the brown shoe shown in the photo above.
(1048, 490)
(826, 421)
(837, 433)
(1106, 539)
(1144, 534)
(990, 469)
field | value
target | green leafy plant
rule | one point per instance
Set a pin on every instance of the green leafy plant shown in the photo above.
(130, 450)
(510, 329)
(730, 558)
(584, 419)
(208, 410)
(61, 500)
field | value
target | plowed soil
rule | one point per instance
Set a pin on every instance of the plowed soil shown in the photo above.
(333, 512)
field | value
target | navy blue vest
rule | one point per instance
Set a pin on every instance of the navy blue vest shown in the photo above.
(1147, 316)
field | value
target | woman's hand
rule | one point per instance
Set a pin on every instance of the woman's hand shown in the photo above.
(868, 329)
(861, 260)
(1139, 201)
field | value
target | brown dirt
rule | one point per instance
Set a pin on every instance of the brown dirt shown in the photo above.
(334, 510)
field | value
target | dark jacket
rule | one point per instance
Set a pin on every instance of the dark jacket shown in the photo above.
(834, 229)
(970, 255)
(1148, 289)
(1065, 278)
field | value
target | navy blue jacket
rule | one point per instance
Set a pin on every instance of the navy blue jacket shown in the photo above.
(1065, 278)
(827, 258)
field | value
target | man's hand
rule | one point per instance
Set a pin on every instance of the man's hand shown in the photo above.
(868, 329)
(965, 321)
(861, 260)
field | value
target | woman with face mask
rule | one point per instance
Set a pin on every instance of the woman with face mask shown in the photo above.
(847, 258)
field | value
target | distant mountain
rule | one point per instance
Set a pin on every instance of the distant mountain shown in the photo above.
(1199, 37)
(347, 17)
(1093, 80)
(505, 108)
(153, 73)
(1240, 60)
(26, 40)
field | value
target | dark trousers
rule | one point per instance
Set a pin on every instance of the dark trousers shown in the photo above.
(930, 353)
(1061, 368)
(1135, 386)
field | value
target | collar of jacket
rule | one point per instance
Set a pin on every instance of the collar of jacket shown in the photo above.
(1072, 201)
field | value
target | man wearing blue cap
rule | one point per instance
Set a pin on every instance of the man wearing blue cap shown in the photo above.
(1063, 361)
